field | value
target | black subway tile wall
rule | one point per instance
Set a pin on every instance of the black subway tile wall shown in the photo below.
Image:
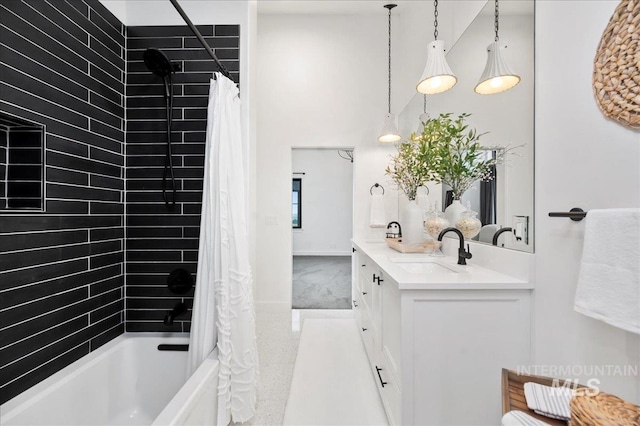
(160, 239)
(62, 65)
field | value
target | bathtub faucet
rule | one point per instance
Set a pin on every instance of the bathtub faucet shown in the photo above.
(179, 309)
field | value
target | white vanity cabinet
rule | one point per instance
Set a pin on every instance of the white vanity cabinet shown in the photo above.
(436, 349)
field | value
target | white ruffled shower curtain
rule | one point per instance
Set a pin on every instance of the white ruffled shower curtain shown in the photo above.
(223, 311)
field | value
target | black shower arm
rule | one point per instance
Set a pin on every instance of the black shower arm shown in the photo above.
(204, 43)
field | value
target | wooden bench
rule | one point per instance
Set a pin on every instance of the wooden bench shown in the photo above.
(513, 393)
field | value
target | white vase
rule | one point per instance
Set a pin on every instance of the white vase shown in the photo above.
(454, 212)
(411, 222)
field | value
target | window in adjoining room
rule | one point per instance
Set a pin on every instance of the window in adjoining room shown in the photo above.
(296, 204)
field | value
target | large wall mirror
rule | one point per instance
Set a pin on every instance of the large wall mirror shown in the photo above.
(507, 117)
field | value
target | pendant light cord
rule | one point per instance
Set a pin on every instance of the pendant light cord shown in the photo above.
(496, 14)
(435, 19)
(424, 106)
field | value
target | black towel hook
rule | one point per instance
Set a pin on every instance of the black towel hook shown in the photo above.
(376, 185)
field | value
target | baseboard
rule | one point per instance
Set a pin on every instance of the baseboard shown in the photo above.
(321, 253)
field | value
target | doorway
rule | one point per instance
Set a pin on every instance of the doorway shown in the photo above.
(322, 227)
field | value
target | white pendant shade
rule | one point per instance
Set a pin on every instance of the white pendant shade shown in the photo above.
(437, 76)
(497, 76)
(389, 132)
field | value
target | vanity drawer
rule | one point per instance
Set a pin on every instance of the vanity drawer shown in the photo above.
(389, 393)
(365, 293)
(368, 336)
(356, 306)
(390, 326)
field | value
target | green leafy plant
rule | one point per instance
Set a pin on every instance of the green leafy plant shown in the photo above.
(408, 170)
(448, 152)
(455, 153)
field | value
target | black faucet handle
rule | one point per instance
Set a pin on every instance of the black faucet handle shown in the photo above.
(467, 254)
(463, 255)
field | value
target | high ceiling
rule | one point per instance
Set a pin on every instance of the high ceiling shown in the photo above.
(322, 7)
(365, 7)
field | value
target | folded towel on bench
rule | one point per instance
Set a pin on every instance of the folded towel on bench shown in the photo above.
(548, 401)
(519, 418)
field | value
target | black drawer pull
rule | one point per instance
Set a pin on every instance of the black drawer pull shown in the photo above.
(355, 305)
(364, 266)
(364, 293)
(375, 278)
(364, 329)
(380, 280)
(378, 369)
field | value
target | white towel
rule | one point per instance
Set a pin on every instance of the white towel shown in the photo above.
(378, 219)
(609, 281)
(520, 418)
(548, 401)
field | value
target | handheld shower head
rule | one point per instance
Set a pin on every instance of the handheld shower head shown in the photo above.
(158, 63)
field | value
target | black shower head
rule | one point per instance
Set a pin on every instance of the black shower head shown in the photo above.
(158, 63)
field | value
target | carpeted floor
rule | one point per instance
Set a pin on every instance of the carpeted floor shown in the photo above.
(322, 282)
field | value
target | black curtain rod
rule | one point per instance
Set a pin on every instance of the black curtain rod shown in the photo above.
(204, 43)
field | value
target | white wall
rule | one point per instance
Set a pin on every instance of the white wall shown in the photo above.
(582, 160)
(321, 83)
(327, 203)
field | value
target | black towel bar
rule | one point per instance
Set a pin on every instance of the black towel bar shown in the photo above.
(575, 214)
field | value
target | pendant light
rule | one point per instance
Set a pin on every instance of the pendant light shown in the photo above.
(497, 76)
(437, 76)
(389, 132)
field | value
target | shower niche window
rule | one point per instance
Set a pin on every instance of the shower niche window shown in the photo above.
(21, 164)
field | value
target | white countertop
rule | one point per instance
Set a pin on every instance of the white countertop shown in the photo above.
(448, 276)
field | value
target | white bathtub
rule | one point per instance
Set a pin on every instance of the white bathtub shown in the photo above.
(128, 381)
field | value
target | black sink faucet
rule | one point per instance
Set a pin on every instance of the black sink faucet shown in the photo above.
(498, 233)
(463, 254)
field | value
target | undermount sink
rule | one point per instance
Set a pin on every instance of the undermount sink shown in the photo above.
(424, 266)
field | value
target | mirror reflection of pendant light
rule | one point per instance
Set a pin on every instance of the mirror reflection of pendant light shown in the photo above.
(437, 76)
(424, 117)
(497, 76)
(389, 132)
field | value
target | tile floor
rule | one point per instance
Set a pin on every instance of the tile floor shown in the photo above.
(278, 335)
(332, 380)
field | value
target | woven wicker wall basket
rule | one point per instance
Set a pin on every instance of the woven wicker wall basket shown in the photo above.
(603, 409)
(616, 67)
